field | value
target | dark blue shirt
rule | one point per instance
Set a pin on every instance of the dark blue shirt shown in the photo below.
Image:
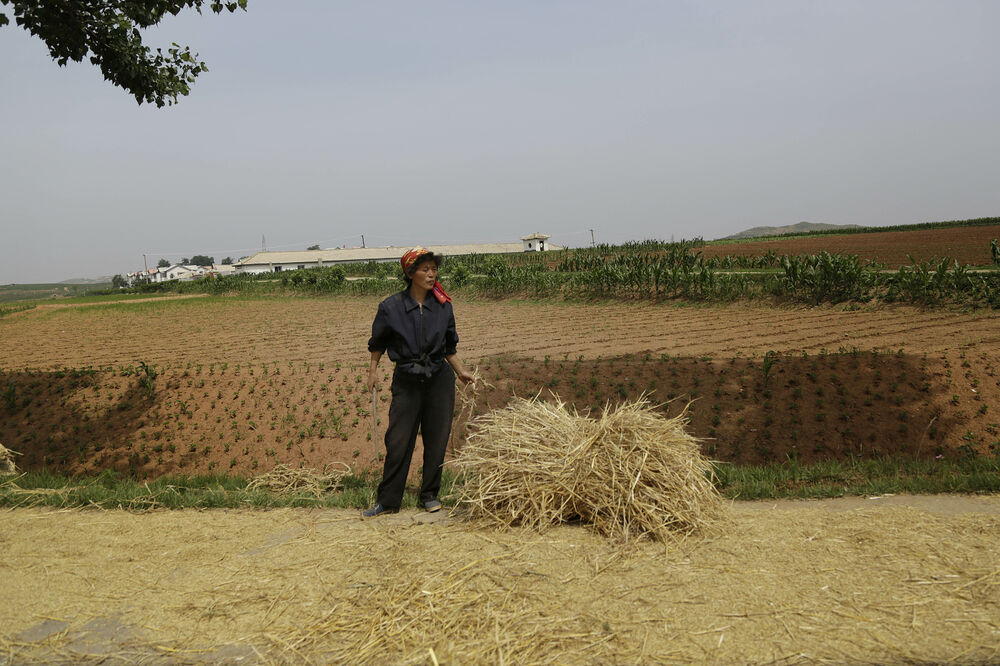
(417, 338)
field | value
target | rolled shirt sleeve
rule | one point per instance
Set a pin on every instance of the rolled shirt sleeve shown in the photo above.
(381, 331)
(450, 334)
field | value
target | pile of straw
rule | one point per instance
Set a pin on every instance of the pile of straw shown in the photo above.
(7, 465)
(290, 480)
(629, 474)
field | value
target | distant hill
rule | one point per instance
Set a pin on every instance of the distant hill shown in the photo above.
(98, 280)
(800, 228)
(31, 292)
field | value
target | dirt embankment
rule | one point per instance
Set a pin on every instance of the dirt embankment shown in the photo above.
(243, 385)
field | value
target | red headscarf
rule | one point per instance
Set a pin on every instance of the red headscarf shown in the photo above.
(410, 257)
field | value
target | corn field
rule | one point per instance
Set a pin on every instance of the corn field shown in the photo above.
(647, 270)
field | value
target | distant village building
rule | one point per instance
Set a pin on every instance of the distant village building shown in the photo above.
(535, 242)
(180, 272)
(273, 262)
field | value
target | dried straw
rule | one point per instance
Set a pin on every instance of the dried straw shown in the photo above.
(629, 474)
(468, 398)
(290, 480)
(7, 465)
(804, 582)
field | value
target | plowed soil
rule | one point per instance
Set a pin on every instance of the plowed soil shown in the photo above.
(243, 384)
(214, 330)
(967, 245)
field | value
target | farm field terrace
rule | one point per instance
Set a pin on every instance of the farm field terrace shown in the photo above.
(240, 384)
(966, 244)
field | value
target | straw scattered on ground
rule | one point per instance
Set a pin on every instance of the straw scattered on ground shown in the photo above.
(287, 480)
(7, 465)
(629, 473)
(878, 584)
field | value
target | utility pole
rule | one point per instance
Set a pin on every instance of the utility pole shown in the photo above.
(263, 247)
(145, 265)
(591, 238)
(362, 240)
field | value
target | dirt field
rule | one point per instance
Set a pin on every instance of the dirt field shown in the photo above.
(911, 581)
(967, 245)
(213, 330)
(243, 384)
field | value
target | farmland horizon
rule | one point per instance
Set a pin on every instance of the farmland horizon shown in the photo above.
(798, 229)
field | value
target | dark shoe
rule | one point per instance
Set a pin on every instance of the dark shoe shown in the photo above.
(432, 505)
(377, 510)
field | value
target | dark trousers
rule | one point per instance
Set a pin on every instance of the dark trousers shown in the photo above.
(427, 404)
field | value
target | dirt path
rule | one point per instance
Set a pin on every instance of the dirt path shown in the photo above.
(46, 307)
(889, 580)
(60, 306)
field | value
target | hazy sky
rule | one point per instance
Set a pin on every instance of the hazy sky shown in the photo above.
(435, 122)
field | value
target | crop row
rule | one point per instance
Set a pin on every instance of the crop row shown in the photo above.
(250, 416)
(649, 270)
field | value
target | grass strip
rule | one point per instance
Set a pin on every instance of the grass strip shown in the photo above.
(108, 490)
(973, 475)
(11, 309)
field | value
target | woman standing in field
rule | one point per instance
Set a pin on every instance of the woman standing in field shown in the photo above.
(417, 328)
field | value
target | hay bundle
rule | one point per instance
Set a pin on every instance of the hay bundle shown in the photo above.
(7, 465)
(630, 473)
(290, 480)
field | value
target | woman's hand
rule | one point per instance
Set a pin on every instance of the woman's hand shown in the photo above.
(373, 370)
(460, 371)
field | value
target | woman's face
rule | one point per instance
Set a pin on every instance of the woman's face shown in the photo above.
(425, 274)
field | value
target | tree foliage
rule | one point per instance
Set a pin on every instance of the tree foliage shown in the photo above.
(163, 263)
(201, 260)
(313, 247)
(108, 33)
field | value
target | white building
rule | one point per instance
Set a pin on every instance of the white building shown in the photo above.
(182, 272)
(140, 277)
(535, 242)
(272, 262)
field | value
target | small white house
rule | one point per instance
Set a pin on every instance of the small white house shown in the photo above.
(536, 242)
(140, 277)
(182, 272)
